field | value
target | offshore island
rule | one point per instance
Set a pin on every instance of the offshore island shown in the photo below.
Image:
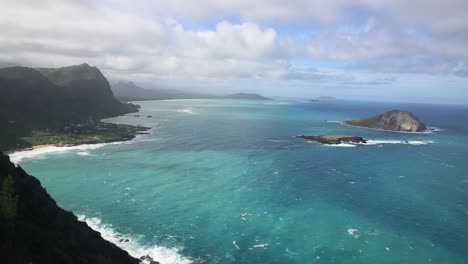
(394, 120)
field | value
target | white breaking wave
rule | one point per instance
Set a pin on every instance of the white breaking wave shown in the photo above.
(163, 255)
(18, 156)
(188, 110)
(353, 232)
(343, 145)
(83, 153)
(407, 142)
(378, 142)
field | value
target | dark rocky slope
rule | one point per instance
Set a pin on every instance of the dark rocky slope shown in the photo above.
(34, 229)
(395, 120)
(52, 98)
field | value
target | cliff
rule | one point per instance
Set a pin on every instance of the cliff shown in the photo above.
(34, 229)
(52, 98)
(395, 120)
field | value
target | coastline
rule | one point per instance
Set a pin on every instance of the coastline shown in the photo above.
(427, 131)
(12, 151)
(16, 155)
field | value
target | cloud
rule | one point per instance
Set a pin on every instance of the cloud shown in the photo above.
(377, 46)
(128, 46)
(224, 43)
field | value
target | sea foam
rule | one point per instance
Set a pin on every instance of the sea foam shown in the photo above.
(405, 142)
(163, 255)
(188, 110)
(378, 142)
(18, 156)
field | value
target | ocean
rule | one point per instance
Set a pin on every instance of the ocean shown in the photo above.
(226, 181)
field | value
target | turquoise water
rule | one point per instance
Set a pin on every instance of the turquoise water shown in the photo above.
(225, 181)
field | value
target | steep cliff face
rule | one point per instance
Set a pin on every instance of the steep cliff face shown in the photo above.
(51, 98)
(88, 88)
(34, 229)
(395, 120)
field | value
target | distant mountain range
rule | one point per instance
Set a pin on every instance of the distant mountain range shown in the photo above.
(129, 91)
(246, 96)
(52, 97)
(322, 98)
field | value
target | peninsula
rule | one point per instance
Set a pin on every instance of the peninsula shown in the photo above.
(59, 106)
(395, 120)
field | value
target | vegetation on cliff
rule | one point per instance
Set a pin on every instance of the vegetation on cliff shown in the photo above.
(50, 99)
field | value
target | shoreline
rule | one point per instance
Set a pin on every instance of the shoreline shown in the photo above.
(17, 155)
(36, 147)
(427, 131)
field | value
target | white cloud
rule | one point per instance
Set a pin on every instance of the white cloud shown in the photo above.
(153, 40)
(128, 46)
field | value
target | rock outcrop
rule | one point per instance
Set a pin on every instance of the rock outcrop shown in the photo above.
(395, 120)
(34, 229)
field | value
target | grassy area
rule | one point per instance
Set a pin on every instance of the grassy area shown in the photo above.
(334, 139)
(99, 133)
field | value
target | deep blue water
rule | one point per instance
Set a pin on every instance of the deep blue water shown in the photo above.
(225, 181)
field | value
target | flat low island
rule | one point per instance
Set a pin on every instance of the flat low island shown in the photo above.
(334, 139)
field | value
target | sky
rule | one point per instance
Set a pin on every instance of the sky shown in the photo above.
(387, 50)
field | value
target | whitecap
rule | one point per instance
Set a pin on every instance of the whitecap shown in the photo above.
(260, 246)
(188, 110)
(353, 232)
(163, 255)
(234, 243)
(392, 141)
(83, 153)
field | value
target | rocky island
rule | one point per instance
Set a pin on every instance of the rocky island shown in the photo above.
(395, 120)
(334, 139)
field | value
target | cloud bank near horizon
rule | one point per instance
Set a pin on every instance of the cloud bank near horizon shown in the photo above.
(298, 47)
